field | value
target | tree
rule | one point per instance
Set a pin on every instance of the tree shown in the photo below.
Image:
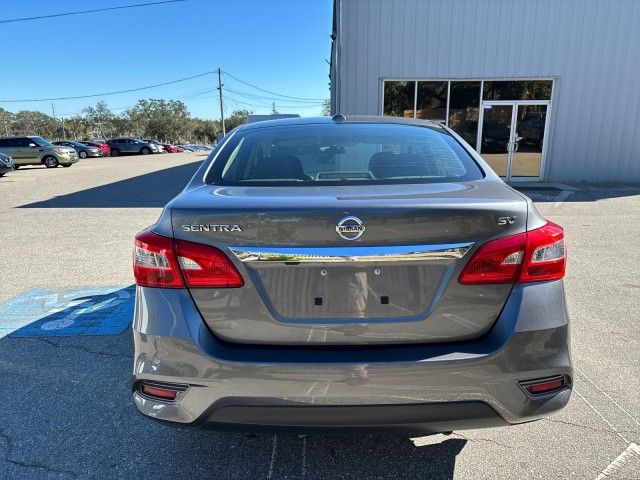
(237, 117)
(159, 119)
(204, 130)
(29, 122)
(99, 119)
(6, 119)
(326, 107)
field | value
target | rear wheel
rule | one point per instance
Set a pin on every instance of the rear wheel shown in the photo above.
(82, 154)
(67, 165)
(115, 152)
(15, 167)
(145, 151)
(50, 161)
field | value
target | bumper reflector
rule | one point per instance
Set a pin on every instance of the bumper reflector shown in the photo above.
(547, 385)
(159, 392)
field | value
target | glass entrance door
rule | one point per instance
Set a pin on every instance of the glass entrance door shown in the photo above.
(530, 124)
(511, 138)
(495, 138)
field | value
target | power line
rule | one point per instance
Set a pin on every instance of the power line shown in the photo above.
(108, 93)
(269, 92)
(263, 105)
(264, 97)
(14, 20)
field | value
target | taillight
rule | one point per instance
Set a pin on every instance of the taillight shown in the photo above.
(163, 262)
(154, 263)
(534, 256)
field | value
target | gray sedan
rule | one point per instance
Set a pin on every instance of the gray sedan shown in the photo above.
(349, 273)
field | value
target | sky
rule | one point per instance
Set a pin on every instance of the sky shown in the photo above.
(277, 45)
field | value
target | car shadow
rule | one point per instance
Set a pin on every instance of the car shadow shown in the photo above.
(68, 413)
(152, 189)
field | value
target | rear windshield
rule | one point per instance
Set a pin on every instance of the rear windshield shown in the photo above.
(343, 154)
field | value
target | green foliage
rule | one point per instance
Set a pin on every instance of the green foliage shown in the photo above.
(166, 120)
(236, 118)
(326, 107)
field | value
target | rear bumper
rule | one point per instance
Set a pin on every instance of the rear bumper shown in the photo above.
(436, 387)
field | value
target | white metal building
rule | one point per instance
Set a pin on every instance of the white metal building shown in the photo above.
(545, 89)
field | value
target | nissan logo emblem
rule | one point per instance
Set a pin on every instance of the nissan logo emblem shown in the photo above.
(350, 228)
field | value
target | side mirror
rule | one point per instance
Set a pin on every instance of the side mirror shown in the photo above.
(32, 145)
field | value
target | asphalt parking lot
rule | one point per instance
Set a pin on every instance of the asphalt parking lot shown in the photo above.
(66, 237)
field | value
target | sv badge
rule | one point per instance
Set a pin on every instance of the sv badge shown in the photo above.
(506, 220)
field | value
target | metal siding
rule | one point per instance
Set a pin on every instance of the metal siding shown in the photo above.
(591, 47)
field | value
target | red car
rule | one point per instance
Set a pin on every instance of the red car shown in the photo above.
(106, 149)
(171, 148)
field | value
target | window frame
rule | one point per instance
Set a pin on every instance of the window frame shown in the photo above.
(449, 80)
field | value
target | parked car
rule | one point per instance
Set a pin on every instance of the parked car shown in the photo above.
(188, 148)
(156, 146)
(106, 150)
(129, 145)
(83, 150)
(374, 255)
(37, 151)
(495, 137)
(170, 148)
(6, 164)
(531, 128)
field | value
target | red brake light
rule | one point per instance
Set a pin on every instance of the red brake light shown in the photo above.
(163, 262)
(206, 266)
(534, 256)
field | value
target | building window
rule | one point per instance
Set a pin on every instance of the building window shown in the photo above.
(432, 101)
(517, 90)
(464, 108)
(399, 98)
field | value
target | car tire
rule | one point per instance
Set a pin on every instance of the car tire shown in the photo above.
(50, 161)
(115, 152)
(145, 151)
(67, 165)
(82, 154)
(15, 167)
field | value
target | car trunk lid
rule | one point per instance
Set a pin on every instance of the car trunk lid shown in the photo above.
(308, 282)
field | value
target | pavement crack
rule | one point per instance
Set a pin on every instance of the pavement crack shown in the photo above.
(77, 347)
(8, 458)
(586, 427)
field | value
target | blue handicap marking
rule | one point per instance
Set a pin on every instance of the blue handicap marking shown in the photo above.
(88, 311)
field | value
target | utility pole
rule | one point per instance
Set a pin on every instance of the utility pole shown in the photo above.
(64, 137)
(224, 132)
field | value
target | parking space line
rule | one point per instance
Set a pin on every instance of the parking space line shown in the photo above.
(273, 457)
(614, 429)
(561, 197)
(619, 461)
(607, 395)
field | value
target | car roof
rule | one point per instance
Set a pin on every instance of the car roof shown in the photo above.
(372, 119)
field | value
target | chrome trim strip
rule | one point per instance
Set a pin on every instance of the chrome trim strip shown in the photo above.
(350, 254)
